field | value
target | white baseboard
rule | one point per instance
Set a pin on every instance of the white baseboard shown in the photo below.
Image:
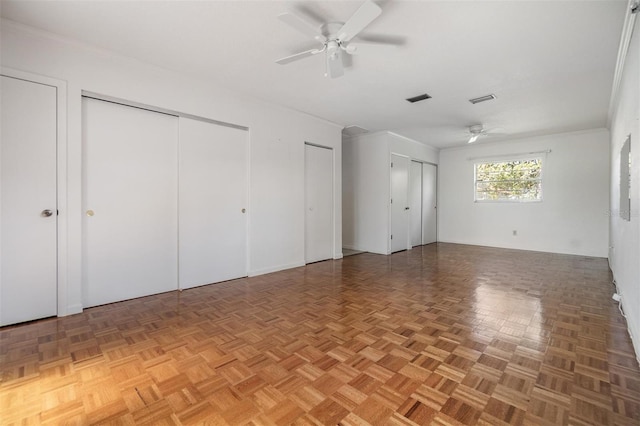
(523, 248)
(269, 270)
(633, 333)
(71, 310)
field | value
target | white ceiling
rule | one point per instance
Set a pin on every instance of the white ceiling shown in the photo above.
(550, 63)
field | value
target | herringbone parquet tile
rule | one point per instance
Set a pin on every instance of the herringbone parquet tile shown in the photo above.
(444, 334)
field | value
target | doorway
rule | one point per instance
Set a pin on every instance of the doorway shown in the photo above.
(318, 203)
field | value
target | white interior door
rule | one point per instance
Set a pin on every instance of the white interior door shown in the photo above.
(318, 203)
(429, 203)
(212, 203)
(28, 214)
(130, 201)
(415, 203)
(399, 203)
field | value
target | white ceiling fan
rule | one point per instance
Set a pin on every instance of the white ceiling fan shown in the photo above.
(335, 37)
(478, 130)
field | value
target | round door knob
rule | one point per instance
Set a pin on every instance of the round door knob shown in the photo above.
(244, 210)
(46, 213)
(90, 213)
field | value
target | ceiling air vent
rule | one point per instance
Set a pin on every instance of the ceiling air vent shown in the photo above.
(482, 99)
(418, 98)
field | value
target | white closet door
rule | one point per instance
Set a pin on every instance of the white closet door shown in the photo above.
(213, 200)
(399, 203)
(28, 283)
(429, 202)
(318, 203)
(415, 203)
(130, 201)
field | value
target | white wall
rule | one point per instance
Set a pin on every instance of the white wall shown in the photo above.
(365, 193)
(624, 257)
(366, 190)
(572, 218)
(413, 149)
(277, 136)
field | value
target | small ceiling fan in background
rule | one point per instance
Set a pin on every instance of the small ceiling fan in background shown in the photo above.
(477, 130)
(336, 37)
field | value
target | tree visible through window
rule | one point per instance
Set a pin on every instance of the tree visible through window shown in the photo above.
(514, 180)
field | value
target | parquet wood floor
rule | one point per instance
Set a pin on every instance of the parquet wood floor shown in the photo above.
(444, 334)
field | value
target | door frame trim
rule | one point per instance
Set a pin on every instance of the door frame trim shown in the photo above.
(61, 181)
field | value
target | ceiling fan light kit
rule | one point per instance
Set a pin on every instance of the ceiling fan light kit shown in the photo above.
(338, 37)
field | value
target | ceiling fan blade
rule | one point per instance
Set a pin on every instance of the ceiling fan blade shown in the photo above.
(298, 56)
(359, 21)
(301, 25)
(356, 48)
(494, 131)
(395, 40)
(473, 138)
(335, 67)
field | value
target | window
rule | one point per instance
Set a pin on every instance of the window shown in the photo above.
(510, 181)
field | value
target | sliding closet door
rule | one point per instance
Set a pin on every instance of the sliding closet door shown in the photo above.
(415, 203)
(429, 201)
(130, 202)
(213, 200)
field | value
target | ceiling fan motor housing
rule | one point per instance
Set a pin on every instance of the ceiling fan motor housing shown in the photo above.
(332, 48)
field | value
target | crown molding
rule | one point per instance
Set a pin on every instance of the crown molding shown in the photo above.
(623, 49)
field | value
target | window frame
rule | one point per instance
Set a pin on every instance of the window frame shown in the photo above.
(540, 158)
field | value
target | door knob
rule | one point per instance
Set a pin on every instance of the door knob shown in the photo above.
(46, 213)
(406, 208)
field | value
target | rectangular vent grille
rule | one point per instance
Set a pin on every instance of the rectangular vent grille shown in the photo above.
(482, 99)
(418, 98)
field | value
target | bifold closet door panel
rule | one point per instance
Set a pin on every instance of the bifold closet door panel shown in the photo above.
(130, 202)
(213, 186)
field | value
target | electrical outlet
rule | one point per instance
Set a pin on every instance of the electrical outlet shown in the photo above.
(616, 297)
(515, 232)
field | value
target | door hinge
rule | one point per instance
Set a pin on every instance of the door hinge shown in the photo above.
(391, 164)
(392, 237)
